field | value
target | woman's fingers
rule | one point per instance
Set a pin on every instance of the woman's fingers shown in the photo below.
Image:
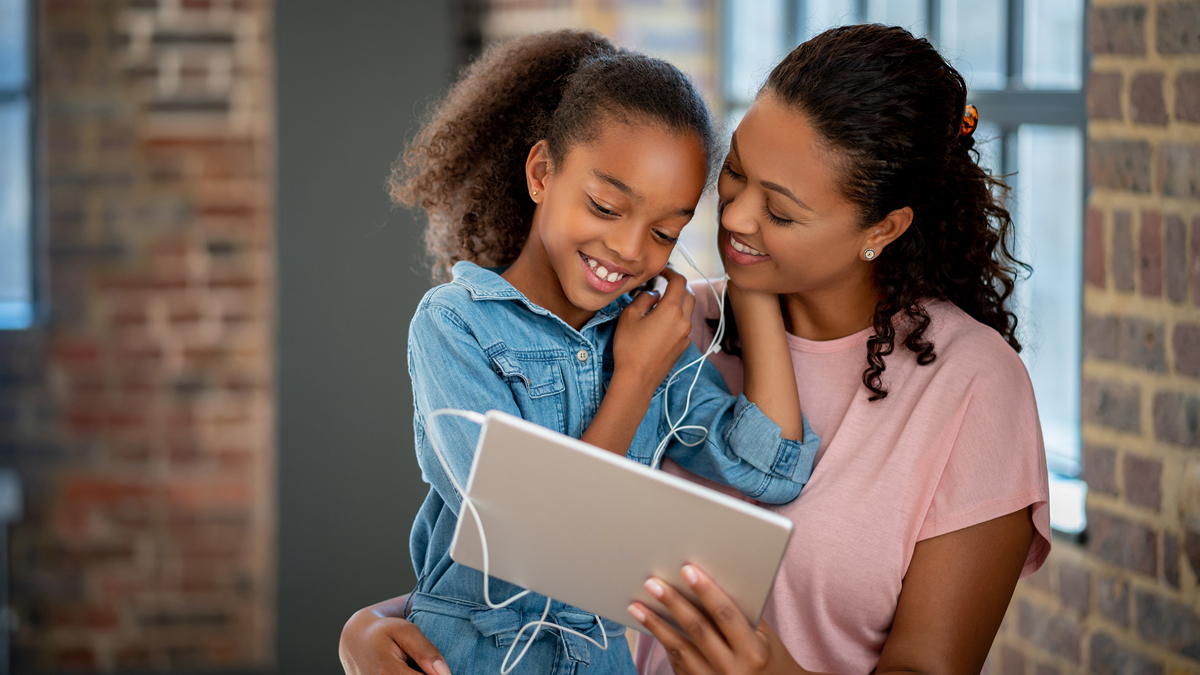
(694, 623)
(729, 620)
(413, 643)
(685, 660)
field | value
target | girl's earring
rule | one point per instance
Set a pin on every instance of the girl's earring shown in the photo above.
(869, 254)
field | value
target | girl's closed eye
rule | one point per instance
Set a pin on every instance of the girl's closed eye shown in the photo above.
(600, 210)
(665, 238)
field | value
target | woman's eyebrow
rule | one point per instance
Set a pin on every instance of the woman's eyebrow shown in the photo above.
(775, 187)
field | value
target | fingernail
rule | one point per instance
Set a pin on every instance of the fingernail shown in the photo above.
(690, 576)
(637, 613)
(441, 668)
(653, 588)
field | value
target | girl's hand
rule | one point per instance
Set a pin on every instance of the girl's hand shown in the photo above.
(770, 381)
(726, 644)
(374, 643)
(652, 332)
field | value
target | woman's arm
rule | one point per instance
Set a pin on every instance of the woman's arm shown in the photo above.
(377, 640)
(770, 380)
(954, 596)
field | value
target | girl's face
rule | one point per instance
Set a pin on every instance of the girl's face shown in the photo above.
(608, 216)
(785, 226)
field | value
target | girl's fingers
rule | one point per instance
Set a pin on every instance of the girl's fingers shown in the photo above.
(643, 303)
(676, 285)
(706, 638)
(730, 621)
(685, 659)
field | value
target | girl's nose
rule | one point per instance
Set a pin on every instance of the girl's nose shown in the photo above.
(626, 242)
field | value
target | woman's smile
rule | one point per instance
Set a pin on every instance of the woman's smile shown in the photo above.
(742, 253)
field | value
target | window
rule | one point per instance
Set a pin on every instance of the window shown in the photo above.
(16, 166)
(1023, 62)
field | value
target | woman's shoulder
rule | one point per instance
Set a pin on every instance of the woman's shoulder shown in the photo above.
(971, 348)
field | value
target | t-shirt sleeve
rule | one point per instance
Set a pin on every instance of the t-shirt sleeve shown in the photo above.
(997, 463)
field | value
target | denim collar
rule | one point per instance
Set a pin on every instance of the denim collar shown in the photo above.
(485, 283)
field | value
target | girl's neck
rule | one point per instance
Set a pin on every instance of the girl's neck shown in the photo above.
(535, 277)
(825, 315)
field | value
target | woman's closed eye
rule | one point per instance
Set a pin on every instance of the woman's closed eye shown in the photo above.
(774, 218)
(727, 169)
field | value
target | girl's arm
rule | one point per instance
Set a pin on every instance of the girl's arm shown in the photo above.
(649, 338)
(954, 596)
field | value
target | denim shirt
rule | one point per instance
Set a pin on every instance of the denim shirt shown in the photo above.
(477, 343)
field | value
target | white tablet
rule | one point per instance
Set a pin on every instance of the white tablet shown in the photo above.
(584, 526)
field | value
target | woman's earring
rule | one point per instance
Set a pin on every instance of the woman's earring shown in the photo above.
(869, 254)
(535, 193)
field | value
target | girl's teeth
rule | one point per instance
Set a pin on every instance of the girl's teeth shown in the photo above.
(601, 272)
(613, 277)
(592, 263)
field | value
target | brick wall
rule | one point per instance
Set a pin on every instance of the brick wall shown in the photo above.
(1127, 601)
(140, 414)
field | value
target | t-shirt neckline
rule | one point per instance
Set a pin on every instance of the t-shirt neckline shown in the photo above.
(800, 344)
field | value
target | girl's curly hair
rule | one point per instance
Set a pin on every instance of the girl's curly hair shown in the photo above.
(466, 166)
(891, 108)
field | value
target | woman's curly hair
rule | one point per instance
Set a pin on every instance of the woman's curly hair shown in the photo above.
(891, 108)
(466, 166)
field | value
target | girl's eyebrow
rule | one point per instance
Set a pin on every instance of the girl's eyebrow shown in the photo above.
(774, 187)
(617, 183)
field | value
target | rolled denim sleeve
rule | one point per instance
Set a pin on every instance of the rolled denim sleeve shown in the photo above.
(449, 369)
(739, 445)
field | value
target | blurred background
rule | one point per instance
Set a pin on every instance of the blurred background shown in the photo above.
(205, 420)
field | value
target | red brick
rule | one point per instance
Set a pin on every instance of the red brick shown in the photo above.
(1179, 170)
(1178, 27)
(1194, 261)
(1075, 587)
(1187, 96)
(1104, 96)
(1123, 255)
(1185, 341)
(1150, 254)
(1122, 542)
(1109, 657)
(1100, 469)
(1143, 482)
(1057, 634)
(1177, 418)
(1112, 599)
(1171, 557)
(1112, 404)
(1146, 102)
(1175, 258)
(1093, 248)
(1012, 661)
(1119, 165)
(1117, 30)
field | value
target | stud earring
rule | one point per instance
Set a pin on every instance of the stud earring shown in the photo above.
(535, 192)
(869, 254)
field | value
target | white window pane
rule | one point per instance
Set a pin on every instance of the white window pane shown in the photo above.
(15, 281)
(1049, 208)
(908, 14)
(14, 64)
(973, 40)
(1053, 44)
(757, 36)
(818, 16)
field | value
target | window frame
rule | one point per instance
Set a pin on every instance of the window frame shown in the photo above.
(30, 93)
(1005, 110)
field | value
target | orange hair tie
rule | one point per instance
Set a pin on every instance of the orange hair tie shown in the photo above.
(970, 121)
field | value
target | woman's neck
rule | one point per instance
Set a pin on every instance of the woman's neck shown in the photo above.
(829, 315)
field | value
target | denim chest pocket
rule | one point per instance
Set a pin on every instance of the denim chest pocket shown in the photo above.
(537, 382)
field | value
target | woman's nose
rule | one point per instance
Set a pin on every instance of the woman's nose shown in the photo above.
(737, 216)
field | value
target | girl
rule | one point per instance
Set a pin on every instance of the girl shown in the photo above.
(620, 150)
(850, 189)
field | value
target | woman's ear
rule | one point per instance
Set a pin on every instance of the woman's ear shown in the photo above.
(886, 231)
(537, 168)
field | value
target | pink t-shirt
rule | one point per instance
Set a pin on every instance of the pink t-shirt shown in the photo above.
(955, 443)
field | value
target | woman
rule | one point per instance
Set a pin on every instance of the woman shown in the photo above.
(850, 191)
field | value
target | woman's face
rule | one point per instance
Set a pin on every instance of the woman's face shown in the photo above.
(785, 225)
(609, 215)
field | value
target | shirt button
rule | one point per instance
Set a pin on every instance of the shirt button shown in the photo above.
(582, 355)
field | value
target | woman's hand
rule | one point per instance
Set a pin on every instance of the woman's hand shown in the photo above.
(377, 640)
(724, 644)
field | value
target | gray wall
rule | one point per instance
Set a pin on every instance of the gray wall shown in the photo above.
(352, 77)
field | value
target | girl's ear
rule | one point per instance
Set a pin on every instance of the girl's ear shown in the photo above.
(886, 231)
(537, 168)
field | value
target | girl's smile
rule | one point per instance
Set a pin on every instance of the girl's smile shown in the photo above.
(605, 276)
